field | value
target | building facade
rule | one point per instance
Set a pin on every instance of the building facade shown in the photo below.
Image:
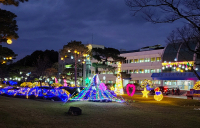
(140, 64)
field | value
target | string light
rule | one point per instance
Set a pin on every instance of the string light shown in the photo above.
(127, 89)
(158, 94)
(145, 93)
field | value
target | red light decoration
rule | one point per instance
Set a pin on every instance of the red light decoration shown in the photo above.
(127, 89)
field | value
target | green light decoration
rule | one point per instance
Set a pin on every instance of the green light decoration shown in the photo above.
(87, 81)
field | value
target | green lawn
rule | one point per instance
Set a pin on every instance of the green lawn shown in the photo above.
(141, 113)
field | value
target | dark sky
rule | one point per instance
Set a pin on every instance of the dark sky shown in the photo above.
(50, 24)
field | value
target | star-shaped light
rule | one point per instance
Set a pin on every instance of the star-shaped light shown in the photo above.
(87, 81)
(145, 92)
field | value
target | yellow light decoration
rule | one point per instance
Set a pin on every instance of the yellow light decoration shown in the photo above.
(10, 58)
(65, 56)
(75, 51)
(112, 88)
(158, 94)
(158, 97)
(9, 41)
(197, 85)
(61, 58)
(119, 87)
(145, 93)
(146, 82)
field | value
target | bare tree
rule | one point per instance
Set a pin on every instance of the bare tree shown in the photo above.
(168, 11)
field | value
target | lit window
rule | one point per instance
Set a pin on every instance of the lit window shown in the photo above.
(152, 70)
(146, 71)
(141, 70)
(136, 71)
(131, 60)
(147, 60)
(130, 71)
(153, 59)
(158, 59)
(158, 70)
(136, 61)
(141, 60)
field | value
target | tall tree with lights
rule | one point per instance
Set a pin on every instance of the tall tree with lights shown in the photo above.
(78, 51)
(8, 24)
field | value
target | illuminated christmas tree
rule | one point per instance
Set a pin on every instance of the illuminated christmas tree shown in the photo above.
(119, 87)
(96, 91)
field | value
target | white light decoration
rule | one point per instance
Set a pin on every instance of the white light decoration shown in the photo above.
(72, 57)
(163, 67)
(175, 59)
(196, 68)
(180, 65)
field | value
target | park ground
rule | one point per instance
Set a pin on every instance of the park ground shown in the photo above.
(138, 113)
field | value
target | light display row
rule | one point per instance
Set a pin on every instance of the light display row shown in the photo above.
(36, 92)
(178, 66)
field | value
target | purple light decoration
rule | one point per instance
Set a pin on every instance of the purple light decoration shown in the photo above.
(65, 83)
(102, 86)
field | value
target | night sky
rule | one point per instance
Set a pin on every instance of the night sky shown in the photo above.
(50, 24)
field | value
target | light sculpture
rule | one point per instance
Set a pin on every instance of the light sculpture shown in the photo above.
(197, 85)
(145, 93)
(158, 94)
(65, 83)
(96, 92)
(119, 87)
(130, 86)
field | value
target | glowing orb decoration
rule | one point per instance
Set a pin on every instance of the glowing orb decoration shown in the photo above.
(9, 41)
(158, 94)
(130, 86)
(145, 93)
(197, 85)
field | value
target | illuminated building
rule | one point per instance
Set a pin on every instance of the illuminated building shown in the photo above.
(177, 64)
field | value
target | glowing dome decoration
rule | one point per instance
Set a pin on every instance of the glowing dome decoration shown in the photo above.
(127, 89)
(197, 85)
(65, 83)
(158, 94)
(96, 92)
(145, 93)
(119, 87)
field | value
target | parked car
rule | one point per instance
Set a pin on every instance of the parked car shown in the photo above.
(165, 90)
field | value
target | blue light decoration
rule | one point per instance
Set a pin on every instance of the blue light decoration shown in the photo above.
(96, 92)
(36, 92)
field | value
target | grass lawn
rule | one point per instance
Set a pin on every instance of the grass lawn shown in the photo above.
(141, 113)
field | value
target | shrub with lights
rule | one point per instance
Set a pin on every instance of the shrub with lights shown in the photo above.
(146, 84)
(197, 86)
(96, 92)
(35, 91)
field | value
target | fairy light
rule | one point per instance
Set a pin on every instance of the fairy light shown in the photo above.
(145, 93)
(119, 87)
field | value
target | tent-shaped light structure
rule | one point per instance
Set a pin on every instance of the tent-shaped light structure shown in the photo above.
(96, 91)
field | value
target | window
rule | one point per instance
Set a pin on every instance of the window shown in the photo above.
(136, 71)
(104, 72)
(131, 60)
(153, 59)
(158, 59)
(152, 70)
(141, 60)
(123, 70)
(110, 81)
(147, 60)
(158, 70)
(92, 72)
(141, 70)
(146, 71)
(136, 61)
(107, 72)
(130, 71)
